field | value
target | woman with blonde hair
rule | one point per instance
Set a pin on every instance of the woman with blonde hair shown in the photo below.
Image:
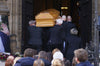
(58, 62)
(38, 62)
(57, 54)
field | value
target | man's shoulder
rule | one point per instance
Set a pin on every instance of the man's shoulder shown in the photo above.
(25, 58)
(86, 63)
(25, 61)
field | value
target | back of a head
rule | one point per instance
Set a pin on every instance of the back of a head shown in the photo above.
(55, 50)
(74, 31)
(64, 17)
(57, 62)
(58, 55)
(67, 63)
(42, 54)
(29, 52)
(59, 21)
(69, 18)
(49, 56)
(81, 55)
(38, 62)
(9, 61)
(32, 22)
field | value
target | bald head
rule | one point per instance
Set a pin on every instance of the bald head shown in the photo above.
(69, 18)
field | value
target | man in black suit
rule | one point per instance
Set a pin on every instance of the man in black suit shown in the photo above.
(55, 39)
(73, 42)
(67, 26)
(35, 36)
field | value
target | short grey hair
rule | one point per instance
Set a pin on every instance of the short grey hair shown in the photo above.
(74, 31)
(32, 22)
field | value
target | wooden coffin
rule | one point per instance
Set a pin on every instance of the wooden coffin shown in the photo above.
(46, 18)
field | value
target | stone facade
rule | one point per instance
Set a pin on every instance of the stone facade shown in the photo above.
(3, 7)
(93, 16)
(98, 7)
(15, 24)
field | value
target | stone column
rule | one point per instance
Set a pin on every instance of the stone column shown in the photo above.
(93, 15)
(98, 7)
(15, 24)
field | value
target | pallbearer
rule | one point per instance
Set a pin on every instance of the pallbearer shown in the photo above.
(35, 36)
(56, 39)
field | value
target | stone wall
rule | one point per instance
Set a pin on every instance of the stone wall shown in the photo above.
(99, 7)
(15, 23)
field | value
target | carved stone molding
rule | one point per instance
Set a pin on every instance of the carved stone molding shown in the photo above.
(3, 7)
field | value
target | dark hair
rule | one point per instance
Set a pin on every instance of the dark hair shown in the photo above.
(74, 62)
(67, 63)
(29, 52)
(49, 56)
(42, 54)
(81, 55)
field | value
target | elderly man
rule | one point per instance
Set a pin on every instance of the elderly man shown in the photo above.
(56, 36)
(35, 36)
(73, 42)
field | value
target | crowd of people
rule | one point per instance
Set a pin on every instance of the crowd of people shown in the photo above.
(61, 45)
(54, 58)
(64, 36)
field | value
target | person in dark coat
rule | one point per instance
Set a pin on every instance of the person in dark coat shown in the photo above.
(81, 57)
(5, 41)
(73, 42)
(67, 26)
(56, 38)
(43, 55)
(28, 59)
(35, 36)
(85, 21)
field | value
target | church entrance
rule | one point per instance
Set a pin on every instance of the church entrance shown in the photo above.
(30, 8)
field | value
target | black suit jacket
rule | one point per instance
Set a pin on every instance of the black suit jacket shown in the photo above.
(56, 34)
(67, 27)
(72, 43)
(35, 35)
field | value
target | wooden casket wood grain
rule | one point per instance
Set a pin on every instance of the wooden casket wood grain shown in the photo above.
(46, 18)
